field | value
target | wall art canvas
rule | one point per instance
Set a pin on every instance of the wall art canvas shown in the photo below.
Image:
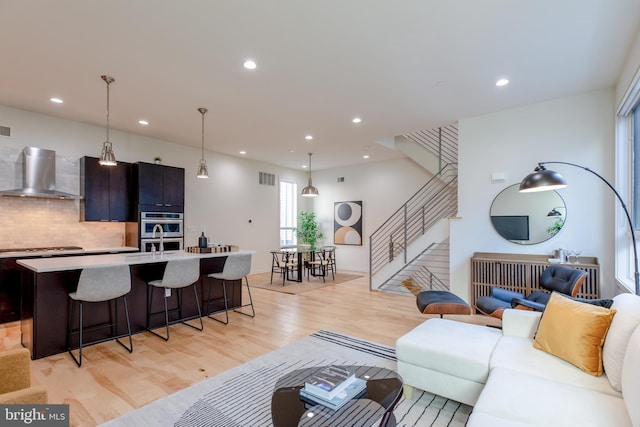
(347, 223)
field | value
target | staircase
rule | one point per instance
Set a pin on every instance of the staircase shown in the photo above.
(410, 250)
(429, 270)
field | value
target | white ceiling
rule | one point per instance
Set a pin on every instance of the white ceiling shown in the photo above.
(400, 65)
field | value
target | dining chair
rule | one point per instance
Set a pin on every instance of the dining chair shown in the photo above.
(330, 255)
(96, 285)
(178, 274)
(317, 263)
(278, 264)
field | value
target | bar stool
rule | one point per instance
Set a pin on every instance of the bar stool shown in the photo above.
(236, 267)
(100, 284)
(178, 274)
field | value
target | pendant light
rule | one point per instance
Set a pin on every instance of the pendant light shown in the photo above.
(203, 171)
(310, 190)
(107, 158)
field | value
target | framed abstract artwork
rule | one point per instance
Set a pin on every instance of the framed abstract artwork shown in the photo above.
(347, 223)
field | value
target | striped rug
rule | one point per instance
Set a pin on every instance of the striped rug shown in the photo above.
(241, 397)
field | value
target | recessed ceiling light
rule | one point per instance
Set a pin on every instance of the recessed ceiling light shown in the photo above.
(249, 64)
(502, 82)
(356, 120)
(308, 137)
(56, 100)
(366, 156)
(143, 122)
(243, 152)
(291, 151)
(304, 166)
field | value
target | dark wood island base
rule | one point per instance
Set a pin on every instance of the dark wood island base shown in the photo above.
(45, 304)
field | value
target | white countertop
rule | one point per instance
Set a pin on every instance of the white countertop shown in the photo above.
(115, 250)
(50, 264)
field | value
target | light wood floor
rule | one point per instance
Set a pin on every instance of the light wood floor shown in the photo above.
(112, 382)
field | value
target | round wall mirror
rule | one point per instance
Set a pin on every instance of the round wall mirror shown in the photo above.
(527, 218)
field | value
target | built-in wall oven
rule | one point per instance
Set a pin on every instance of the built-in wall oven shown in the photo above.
(172, 226)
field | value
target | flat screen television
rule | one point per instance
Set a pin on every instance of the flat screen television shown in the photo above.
(512, 227)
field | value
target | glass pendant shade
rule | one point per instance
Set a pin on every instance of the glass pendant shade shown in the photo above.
(310, 190)
(203, 170)
(107, 157)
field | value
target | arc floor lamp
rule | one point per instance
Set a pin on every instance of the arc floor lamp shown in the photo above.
(542, 179)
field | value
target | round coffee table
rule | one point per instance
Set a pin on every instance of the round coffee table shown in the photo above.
(384, 388)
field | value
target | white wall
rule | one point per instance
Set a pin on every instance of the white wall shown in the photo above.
(629, 70)
(381, 186)
(578, 129)
(222, 205)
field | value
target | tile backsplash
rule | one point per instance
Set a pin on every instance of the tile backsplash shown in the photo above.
(30, 222)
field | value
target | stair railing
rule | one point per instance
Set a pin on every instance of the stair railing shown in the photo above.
(441, 142)
(436, 200)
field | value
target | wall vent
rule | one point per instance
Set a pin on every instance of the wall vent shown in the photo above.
(341, 179)
(265, 178)
(5, 131)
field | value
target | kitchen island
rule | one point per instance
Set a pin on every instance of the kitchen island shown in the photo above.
(47, 282)
(10, 271)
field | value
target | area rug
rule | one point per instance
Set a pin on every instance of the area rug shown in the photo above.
(241, 397)
(263, 281)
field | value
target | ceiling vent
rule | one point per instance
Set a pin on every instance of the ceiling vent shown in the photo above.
(5, 131)
(341, 179)
(265, 178)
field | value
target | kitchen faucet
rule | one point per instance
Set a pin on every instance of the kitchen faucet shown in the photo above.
(158, 226)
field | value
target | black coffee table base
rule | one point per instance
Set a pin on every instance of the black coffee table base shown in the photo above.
(384, 389)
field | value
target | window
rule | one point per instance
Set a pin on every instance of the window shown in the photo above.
(288, 212)
(628, 182)
(634, 122)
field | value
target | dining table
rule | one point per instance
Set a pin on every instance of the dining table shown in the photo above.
(298, 251)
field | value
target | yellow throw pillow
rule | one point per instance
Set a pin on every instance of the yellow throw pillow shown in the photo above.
(575, 332)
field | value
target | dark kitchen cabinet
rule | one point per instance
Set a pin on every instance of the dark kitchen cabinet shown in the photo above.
(107, 191)
(9, 290)
(160, 186)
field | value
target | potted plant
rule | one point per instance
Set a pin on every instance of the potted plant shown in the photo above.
(157, 160)
(307, 231)
(555, 228)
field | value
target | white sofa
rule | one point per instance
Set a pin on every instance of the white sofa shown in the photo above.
(511, 383)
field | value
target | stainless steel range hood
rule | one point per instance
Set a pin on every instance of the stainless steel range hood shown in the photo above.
(39, 176)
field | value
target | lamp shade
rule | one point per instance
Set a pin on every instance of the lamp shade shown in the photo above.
(554, 212)
(203, 170)
(310, 190)
(542, 180)
(107, 158)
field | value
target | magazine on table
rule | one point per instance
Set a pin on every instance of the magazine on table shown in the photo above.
(356, 388)
(329, 381)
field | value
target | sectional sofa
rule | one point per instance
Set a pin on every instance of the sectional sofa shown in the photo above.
(536, 370)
